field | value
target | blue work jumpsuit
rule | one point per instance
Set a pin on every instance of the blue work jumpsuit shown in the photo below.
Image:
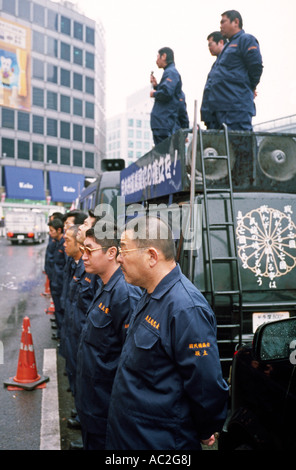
(81, 292)
(168, 391)
(229, 91)
(56, 281)
(166, 106)
(99, 349)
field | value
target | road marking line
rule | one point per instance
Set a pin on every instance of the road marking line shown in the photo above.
(50, 423)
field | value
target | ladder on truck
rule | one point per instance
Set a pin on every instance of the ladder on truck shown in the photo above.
(228, 328)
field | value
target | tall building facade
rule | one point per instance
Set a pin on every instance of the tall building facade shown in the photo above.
(52, 99)
(128, 134)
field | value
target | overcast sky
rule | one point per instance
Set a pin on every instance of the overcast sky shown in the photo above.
(136, 29)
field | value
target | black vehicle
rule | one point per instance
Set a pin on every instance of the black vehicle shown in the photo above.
(105, 189)
(263, 391)
(230, 199)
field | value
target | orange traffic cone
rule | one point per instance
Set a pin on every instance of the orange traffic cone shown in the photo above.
(51, 308)
(46, 292)
(26, 377)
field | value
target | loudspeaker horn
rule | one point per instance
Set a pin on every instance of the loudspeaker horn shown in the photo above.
(213, 145)
(277, 157)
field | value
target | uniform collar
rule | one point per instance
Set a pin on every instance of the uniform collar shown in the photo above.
(236, 35)
(166, 283)
(113, 279)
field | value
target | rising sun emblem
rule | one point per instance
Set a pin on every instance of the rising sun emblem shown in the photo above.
(267, 242)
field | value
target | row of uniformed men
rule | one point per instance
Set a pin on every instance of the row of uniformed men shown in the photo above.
(126, 321)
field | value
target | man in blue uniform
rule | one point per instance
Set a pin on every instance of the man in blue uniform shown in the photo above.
(59, 258)
(215, 44)
(166, 94)
(168, 392)
(101, 338)
(235, 76)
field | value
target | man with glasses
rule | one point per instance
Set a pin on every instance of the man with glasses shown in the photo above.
(168, 392)
(102, 336)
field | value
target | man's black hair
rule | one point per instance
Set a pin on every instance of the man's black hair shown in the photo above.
(217, 36)
(232, 15)
(169, 54)
(56, 224)
(79, 216)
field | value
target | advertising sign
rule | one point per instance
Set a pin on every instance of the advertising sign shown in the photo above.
(15, 65)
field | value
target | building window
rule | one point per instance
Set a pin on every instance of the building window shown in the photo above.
(89, 110)
(89, 160)
(65, 130)
(77, 56)
(77, 81)
(38, 124)
(52, 20)
(89, 85)
(52, 100)
(38, 152)
(38, 14)
(7, 147)
(90, 35)
(52, 47)
(65, 51)
(77, 106)
(89, 60)
(77, 158)
(8, 118)
(52, 73)
(65, 156)
(24, 8)
(38, 69)
(65, 25)
(38, 42)
(89, 135)
(23, 150)
(52, 154)
(131, 123)
(23, 121)
(65, 77)
(77, 132)
(8, 6)
(52, 127)
(78, 30)
(65, 104)
(38, 97)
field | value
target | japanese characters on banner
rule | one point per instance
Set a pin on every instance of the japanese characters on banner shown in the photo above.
(156, 174)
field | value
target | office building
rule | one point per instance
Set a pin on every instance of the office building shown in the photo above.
(52, 99)
(128, 134)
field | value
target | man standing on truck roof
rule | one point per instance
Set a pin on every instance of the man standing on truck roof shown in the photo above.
(236, 74)
(215, 44)
(168, 98)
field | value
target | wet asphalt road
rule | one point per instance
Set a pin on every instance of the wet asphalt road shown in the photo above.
(21, 283)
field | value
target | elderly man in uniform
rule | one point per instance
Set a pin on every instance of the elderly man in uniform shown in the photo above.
(168, 392)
